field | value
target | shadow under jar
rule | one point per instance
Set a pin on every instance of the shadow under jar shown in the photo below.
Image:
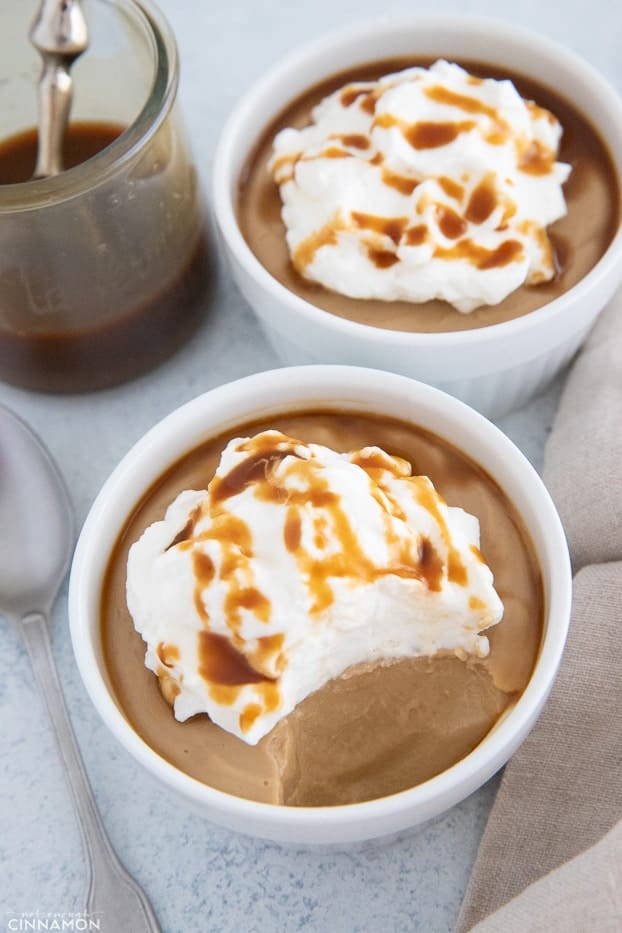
(103, 268)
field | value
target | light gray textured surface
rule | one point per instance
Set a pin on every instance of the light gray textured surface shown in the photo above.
(202, 878)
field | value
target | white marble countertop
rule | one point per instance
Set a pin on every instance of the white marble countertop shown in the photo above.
(199, 877)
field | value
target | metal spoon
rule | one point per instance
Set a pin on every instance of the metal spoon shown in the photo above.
(60, 34)
(36, 542)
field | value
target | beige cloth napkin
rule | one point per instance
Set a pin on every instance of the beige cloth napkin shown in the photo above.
(551, 856)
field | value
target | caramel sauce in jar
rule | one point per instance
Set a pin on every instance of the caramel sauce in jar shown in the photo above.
(100, 279)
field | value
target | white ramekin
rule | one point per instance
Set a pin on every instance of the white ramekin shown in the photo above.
(312, 388)
(497, 368)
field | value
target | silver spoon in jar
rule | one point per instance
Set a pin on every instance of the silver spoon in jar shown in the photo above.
(37, 536)
(60, 34)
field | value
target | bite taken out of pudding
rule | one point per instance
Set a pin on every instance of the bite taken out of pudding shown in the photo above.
(323, 624)
(424, 196)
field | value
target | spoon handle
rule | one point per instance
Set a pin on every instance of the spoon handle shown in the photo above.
(112, 893)
(55, 94)
(60, 33)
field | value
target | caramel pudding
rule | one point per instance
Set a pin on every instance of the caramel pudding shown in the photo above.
(578, 239)
(379, 728)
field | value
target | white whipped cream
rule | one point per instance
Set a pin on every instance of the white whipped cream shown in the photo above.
(425, 184)
(296, 563)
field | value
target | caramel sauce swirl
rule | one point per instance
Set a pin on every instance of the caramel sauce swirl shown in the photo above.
(416, 235)
(335, 152)
(167, 654)
(537, 160)
(473, 199)
(302, 485)
(425, 134)
(350, 95)
(382, 258)
(451, 188)
(451, 224)
(220, 663)
(482, 202)
(391, 227)
(354, 140)
(443, 95)
(304, 253)
(401, 183)
(319, 532)
(432, 135)
(509, 251)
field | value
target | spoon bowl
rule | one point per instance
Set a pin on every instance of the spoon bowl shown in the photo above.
(36, 518)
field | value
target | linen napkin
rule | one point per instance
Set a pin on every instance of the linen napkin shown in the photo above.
(551, 855)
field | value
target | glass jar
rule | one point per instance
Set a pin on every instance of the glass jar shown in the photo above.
(103, 268)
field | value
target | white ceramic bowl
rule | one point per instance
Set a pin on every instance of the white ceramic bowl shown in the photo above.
(497, 368)
(310, 388)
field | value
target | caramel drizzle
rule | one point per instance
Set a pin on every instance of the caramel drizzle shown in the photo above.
(483, 200)
(276, 472)
(352, 93)
(353, 140)
(391, 227)
(481, 257)
(220, 663)
(431, 500)
(540, 113)
(187, 530)
(451, 224)
(499, 131)
(333, 152)
(366, 95)
(545, 245)
(451, 188)
(368, 101)
(432, 135)
(401, 183)
(304, 254)
(477, 554)
(304, 485)
(289, 162)
(167, 654)
(416, 235)
(425, 134)
(443, 95)
(228, 665)
(536, 159)
(382, 258)
(348, 560)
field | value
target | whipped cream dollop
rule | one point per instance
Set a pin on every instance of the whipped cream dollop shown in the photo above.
(428, 183)
(295, 564)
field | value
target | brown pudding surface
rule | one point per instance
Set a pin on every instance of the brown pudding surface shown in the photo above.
(378, 729)
(579, 239)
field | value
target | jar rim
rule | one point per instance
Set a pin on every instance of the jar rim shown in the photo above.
(45, 192)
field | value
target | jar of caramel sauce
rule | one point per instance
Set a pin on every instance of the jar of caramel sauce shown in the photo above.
(103, 268)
